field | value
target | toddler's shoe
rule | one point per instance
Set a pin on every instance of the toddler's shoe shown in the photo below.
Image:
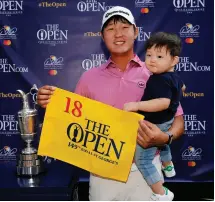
(168, 196)
(169, 170)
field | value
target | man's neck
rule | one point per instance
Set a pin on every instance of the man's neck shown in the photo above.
(122, 60)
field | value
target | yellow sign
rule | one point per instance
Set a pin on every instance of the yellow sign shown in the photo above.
(89, 134)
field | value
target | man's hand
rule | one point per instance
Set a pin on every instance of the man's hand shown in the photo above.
(149, 135)
(44, 95)
(131, 107)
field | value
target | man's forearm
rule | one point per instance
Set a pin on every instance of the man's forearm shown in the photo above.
(149, 135)
(177, 128)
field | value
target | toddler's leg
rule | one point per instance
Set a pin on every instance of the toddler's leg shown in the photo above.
(143, 159)
(165, 155)
(166, 158)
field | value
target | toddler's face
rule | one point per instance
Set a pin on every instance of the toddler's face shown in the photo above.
(159, 60)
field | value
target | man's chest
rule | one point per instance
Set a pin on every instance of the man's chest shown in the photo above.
(117, 90)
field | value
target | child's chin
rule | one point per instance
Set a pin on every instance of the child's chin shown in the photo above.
(154, 72)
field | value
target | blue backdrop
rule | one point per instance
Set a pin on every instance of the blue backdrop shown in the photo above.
(54, 42)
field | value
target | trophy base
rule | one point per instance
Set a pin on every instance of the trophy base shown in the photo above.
(29, 165)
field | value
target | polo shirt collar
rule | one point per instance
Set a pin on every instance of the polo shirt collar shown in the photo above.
(135, 59)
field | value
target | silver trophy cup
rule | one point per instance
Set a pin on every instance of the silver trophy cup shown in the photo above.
(28, 163)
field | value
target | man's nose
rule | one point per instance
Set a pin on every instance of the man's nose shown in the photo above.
(118, 33)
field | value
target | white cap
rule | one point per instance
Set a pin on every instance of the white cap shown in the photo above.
(118, 10)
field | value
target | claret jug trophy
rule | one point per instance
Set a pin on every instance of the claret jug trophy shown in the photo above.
(28, 162)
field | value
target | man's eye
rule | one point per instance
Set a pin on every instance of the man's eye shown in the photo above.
(160, 56)
(109, 29)
(125, 27)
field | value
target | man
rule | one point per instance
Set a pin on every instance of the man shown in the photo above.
(122, 79)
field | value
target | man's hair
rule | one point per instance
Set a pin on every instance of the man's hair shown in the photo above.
(163, 39)
(116, 18)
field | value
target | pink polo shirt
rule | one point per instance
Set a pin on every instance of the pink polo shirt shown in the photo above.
(111, 86)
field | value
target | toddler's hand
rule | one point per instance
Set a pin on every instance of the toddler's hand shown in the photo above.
(131, 107)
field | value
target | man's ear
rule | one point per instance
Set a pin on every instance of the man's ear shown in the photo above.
(102, 36)
(175, 61)
(136, 33)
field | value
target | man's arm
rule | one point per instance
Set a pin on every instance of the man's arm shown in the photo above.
(177, 128)
(82, 87)
(150, 135)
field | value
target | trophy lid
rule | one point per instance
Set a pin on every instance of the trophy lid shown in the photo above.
(26, 110)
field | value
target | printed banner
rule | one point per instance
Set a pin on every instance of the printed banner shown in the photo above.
(58, 49)
(89, 134)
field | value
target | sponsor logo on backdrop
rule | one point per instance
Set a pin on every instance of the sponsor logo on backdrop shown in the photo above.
(52, 35)
(192, 95)
(8, 154)
(10, 95)
(189, 32)
(192, 155)
(145, 5)
(194, 125)
(142, 35)
(189, 6)
(185, 65)
(95, 60)
(11, 7)
(6, 67)
(144, 10)
(92, 34)
(53, 72)
(7, 33)
(7, 42)
(92, 6)
(191, 163)
(53, 64)
(54, 4)
(8, 125)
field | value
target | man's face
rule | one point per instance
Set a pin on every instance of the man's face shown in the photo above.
(159, 60)
(119, 37)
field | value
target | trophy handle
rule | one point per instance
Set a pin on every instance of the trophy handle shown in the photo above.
(33, 93)
(33, 88)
